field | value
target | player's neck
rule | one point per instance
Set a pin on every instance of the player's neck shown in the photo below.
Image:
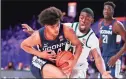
(107, 20)
(48, 36)
(85, 31)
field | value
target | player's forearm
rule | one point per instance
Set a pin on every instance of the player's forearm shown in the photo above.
(100, 42)
(31, 32)
(100, 64)
(78, 52)
(122, 51)
(29, 50)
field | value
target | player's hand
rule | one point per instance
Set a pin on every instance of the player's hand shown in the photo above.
(49, 55)
(68, 69)
(107, 75)
(112, 61)
(27, 29)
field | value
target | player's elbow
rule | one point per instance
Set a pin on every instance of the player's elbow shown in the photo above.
(96, 54)
(23, 45)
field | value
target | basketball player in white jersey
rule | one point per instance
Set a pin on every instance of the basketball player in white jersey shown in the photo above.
(89, 42)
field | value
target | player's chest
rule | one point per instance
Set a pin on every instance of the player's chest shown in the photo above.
(83, 40)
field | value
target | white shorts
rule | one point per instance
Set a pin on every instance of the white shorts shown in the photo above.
(78, 73)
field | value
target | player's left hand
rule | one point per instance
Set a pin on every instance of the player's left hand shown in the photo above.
(107, 75)
(112, 61)
(27, 29)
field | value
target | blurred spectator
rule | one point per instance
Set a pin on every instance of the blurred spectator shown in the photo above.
(10, 66)
(67, 19)
(20, 66)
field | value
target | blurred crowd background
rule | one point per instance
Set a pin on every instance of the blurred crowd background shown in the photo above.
(14, 58)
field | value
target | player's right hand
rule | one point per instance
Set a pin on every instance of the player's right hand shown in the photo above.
(107, 75)
(49, 55)
(27, 29)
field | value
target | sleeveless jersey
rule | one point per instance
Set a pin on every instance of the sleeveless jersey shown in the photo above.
(109, 45)
(89, 41)
(56, 45)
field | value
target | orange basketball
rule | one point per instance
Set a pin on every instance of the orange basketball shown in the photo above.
(64, 55)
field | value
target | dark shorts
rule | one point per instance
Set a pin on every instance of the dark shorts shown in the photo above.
(114, 70)
(37, 71)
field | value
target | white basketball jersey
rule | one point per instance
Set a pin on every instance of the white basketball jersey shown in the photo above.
(89, 41)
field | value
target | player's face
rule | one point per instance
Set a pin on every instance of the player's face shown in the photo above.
(108, 11)
(53, 29)
(10, 64)
(85, 21)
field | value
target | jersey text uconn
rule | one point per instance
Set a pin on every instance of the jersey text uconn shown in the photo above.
(53, 47)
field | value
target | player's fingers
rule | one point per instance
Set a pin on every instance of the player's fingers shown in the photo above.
(24, 25)
(108, 71)
(53, 53)
(66, 68)
(109, 63)
(51, 56)
(52, 59)
(48, 51)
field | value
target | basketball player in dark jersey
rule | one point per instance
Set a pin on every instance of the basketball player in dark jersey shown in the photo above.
(109, 29)
(51, 38)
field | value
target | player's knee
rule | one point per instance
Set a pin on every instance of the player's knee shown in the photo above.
(53, 72)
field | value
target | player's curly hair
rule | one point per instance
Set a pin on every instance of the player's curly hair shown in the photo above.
(110, 3)
(50, 16)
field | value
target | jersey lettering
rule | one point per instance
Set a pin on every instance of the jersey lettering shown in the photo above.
(105, 38)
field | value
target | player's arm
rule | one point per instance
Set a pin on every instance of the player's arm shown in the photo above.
(119, 29)
(34, 40)
(28, 44)
(95, 51)
(100, 42)
(27, 29)
(70, 35)
(100, 39)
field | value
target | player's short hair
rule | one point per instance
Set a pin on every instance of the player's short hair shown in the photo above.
(110, 3)
(89, 11)
(50, 16)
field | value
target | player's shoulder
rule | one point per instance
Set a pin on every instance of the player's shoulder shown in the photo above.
(117, 23)
(100, 23)
(118, 26)
(67, 29)
(93, 35)
(92, 40)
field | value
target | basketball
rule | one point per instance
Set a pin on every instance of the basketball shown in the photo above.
(61, 56)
